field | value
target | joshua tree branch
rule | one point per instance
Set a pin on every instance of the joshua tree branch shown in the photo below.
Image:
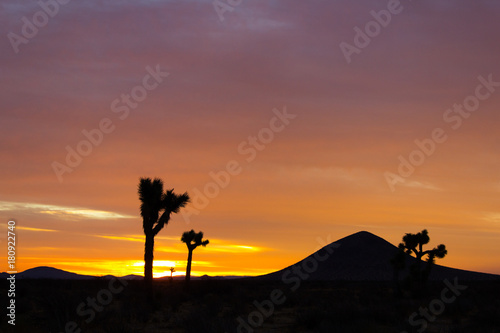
(165, 217)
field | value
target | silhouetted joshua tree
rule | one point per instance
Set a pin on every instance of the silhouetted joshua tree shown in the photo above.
(192, 240)
(413, 243)
(172, 270)
(156, 208)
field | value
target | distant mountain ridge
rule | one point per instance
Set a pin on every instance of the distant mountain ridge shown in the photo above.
(44, 272)
(364, 256)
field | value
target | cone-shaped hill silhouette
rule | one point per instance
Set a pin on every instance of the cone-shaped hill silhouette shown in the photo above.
(364, 256)
(44, 272)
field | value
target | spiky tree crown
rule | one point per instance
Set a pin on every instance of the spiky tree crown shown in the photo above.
(193, 239)
(150, 193)
(155, 202)
(412, 243)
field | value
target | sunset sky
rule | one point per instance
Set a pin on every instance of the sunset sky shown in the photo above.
(312, 134)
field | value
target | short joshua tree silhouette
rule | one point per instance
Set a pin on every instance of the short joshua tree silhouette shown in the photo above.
(172, 270)
(413, 243)
(192, 240)
(156, 208)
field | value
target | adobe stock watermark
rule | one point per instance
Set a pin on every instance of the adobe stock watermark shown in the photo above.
(454, 117)
(122, 107)
(92, 305)
(222, 6)
(363, 37)
(30, 27)
(249, 148)
(12, 270)
(293, 278)
(437, 306)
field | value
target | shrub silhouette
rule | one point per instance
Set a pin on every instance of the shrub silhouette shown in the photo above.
(413, 243)
(192, 240)
(156, 208)
(172, 270)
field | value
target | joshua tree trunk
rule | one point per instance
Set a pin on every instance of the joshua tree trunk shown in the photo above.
(148, 260)
(192, 240)
(419, 270)
(413, 243)
(188, 268)
(156, 208)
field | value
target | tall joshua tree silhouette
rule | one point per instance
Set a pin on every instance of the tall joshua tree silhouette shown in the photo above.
(192, 240)
(156, 208)
(413, 243)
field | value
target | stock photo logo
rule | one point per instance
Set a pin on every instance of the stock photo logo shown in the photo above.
(223, 6)
(292, 278)
(363, 37)
(31, 26)
(454, 118)
(436, 307)
(95, 137)
(249, 149)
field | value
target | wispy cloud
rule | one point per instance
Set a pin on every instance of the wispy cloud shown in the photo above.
(421, 185)
(42, 248)
(358, 176)
(176, 263)
(35, 229)
(123, 238)
(216, 245)
(61, 211)
(136, 238)
(492, 217)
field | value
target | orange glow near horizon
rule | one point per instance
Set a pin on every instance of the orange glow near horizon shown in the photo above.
(220, 257)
